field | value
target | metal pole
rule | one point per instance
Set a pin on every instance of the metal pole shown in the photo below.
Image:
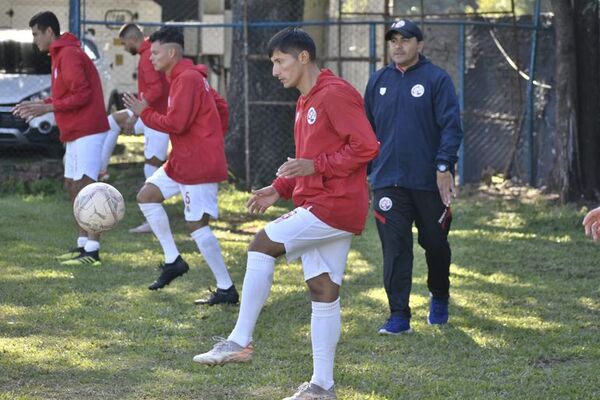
(75, 17)
(372, 48)
(530, 95)
(339, 40)
(461, 102)
(246, 100)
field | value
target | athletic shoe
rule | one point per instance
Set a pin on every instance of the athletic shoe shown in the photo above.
(85, 258)
(221, 296)
(69, 255)
(225, 352)
(438, 311)
(169, 272)
(310, 391)
(143, 228)
(395, 325)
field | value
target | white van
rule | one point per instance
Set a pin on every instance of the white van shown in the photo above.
(25, 75)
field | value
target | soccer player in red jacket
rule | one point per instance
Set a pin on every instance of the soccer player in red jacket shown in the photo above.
(153, 84)
(78, 106)
(194, 168)
(327, 181)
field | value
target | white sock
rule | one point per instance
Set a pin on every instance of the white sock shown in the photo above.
(256, 289)
(325, 330)
(159, 222)
(91, 245)
(81, 241)
(149, 170)
(109, 142)
(211, 251)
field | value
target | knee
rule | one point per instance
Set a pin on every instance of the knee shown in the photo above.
(193, 226)
(262, 244)
(323, 289)
(149, 194)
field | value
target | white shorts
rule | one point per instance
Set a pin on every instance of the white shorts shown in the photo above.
(323, 249)
(198, 199)
(156, 144)
(83, 156)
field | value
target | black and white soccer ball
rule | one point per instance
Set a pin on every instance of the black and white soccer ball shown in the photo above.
(98, 207)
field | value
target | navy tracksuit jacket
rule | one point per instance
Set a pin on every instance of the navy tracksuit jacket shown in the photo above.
(416, 117)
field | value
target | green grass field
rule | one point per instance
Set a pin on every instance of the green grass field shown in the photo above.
(525, 311)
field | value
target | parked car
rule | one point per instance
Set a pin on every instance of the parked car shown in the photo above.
(25, 75)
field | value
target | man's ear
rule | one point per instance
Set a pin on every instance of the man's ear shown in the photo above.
(421, 45)
(304, 57)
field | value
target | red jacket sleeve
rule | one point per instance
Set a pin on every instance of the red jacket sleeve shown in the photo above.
(346, 113)
(285, 187)
(154, 84)
(73, 72)
(181, 113)
(223, 110)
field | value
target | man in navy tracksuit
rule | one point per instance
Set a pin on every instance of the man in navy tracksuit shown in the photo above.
(413, 108)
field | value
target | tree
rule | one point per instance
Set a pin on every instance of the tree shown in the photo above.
(576, 173)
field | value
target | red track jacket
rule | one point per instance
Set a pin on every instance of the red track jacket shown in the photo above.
(76, 91)
(194, 127)
(332, 129)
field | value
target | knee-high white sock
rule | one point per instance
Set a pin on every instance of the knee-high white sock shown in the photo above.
(91, 245)
(109, 142)
(256, 289)
(149, 170)
(159, 222)
(81, 241)
(211, 251)
(325, 330)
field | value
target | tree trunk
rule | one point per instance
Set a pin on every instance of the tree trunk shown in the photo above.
(565, 177)
(588, 89)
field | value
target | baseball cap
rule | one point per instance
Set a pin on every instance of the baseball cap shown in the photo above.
(406, 28)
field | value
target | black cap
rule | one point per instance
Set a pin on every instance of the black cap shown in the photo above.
(406, 28)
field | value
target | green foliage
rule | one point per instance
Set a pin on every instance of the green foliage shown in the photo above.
(524, 324)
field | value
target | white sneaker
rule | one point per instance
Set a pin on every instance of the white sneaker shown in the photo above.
(143, 228)
(310, 391)
(224, 352)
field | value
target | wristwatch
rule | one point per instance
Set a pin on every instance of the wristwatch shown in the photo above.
(442, 167)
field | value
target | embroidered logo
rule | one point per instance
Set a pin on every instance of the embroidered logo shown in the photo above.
(382, 90)
(417, 91)
(311, 117)
(399, 24)
(385, 203)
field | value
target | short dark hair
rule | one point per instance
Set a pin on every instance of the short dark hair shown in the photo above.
(292, 40)
(167, 34)
(130, 29)
(45, 20)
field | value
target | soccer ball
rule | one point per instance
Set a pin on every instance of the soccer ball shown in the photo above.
(98, 207)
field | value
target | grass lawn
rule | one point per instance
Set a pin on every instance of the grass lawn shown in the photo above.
(525, 311)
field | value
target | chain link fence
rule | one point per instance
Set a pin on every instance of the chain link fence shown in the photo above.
(487, 54)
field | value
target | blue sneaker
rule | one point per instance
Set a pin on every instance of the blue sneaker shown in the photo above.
(438, 311)
(395, 325)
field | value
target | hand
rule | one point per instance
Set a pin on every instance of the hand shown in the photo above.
(591, 222)
(296, 167)
(445, 183)
(129, 125)
(136, 105)
(31, 109)
(262, 199)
